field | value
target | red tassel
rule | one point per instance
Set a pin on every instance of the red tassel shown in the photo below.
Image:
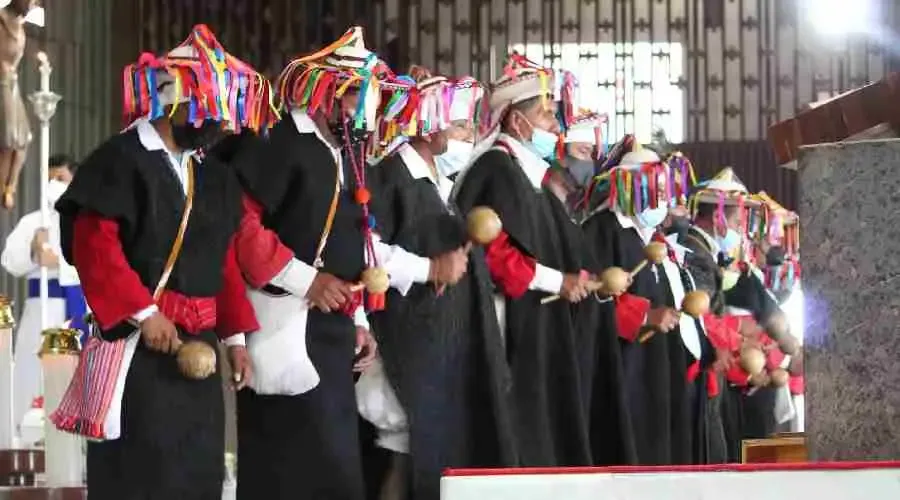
(375, 302)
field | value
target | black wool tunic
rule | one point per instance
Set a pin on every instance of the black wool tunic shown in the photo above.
(658, 396)
(172, 443)
(305, 445)
(443, 354)
(542, 343)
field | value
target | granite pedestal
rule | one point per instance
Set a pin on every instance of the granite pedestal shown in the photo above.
(850, 249)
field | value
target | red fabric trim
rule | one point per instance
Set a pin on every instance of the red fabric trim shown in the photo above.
(235, 313)
(717, 331)
(193, 314)
(657, 469)
(796, 384)
(111, 287)
(259, 253)
(736, 375)
(631, 312)
(510, 269)
(693, 371)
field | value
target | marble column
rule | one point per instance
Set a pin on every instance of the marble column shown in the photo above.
(850, 246)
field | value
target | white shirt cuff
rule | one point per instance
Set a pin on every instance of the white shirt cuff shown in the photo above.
(546, 279)
(143, 314)
(404, 268)
(786, 362)
(296, 277)
(238, 339)
(360, 319)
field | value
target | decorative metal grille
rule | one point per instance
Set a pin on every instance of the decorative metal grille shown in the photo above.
(739, 65)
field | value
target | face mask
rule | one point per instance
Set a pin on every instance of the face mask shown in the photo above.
(455, 158)
(356, 136)
(652, 217)
(581, 170)
(55, 190)
(729, 242)
(679, 226)
(542, 143)
(191, 138)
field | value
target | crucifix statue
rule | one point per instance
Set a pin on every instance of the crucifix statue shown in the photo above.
(15, 131)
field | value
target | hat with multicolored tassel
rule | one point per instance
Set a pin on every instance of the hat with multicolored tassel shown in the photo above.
(199, 74)
(586, 127)
(313, 82)
(775, 224)
(635, 179)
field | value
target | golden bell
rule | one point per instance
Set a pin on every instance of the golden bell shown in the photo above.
(615, 280)
(483, 225)
(196, 359)
(753, 360)
(60, 341)
(7, 320)
(376, 280)
(696, 303)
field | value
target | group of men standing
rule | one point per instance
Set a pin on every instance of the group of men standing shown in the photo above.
(288, 244)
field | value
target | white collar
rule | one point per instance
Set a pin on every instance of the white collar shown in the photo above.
(533, 166)
(626, 222)
(419, 169)
(714, 248)
(679, 249)
(306, 125)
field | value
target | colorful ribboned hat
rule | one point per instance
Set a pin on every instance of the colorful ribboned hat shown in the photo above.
(775, 224)
(314, 81)
(586, 127)
(725, 188)
(634, 178)
(198, 73)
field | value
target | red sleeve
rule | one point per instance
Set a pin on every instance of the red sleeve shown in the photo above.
(795, 383)
(737, 376)
(111, 287)
(631, 312)
(260, 255)
(234, 313)
(723, 332)
(510, 269)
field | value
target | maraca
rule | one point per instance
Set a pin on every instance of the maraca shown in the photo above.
(695, 305)
(483, 225)
(654, 252)
(780, 377)
(196, 359)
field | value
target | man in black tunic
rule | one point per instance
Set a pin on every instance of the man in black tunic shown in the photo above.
(539, 252)
(297, 423)
(657, 392)
(716, 239)
(119, 222)
(439, 338)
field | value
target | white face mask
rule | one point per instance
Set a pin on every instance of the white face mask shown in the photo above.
(455, 158)
(652, 217)
(55, 190)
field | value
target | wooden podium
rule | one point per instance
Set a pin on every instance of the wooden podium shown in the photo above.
(779, 449)
(869, 112)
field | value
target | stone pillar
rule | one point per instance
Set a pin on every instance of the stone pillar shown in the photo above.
(850, 245)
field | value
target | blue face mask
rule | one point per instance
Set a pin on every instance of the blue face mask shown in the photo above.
(542, 143)
(729, 242)
(652, 217)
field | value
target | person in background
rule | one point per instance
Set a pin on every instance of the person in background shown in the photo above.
(571, 174)
(28, 247)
